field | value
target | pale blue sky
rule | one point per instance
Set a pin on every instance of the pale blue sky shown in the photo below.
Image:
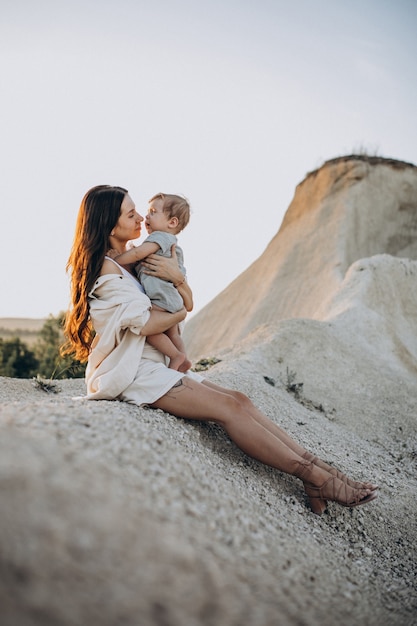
(229, 102)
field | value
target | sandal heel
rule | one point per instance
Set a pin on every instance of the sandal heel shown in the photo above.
(317, 505)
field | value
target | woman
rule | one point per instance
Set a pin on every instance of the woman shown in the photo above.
(107, 326)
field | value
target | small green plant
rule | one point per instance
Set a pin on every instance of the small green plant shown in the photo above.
(205, 364)
(366, 151)
(292, 387)
(43, 384)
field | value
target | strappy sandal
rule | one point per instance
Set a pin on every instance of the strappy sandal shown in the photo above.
(330, 490)
(337, 474)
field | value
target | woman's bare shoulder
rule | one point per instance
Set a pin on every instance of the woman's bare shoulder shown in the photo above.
(109, 267)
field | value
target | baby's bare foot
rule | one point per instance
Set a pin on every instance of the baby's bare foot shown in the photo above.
(176, 362)
(186, 365)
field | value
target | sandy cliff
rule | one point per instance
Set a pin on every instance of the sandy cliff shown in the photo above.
(350, 209)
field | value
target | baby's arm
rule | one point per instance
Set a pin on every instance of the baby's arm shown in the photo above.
(137, 253)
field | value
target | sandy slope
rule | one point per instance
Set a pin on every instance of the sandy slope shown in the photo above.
(117, 515)
(350, 209)
(111, 514)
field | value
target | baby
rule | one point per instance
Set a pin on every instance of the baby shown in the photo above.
(167, 216)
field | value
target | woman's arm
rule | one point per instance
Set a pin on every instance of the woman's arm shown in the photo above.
(160, 321)
(167, 268)
(185, 293)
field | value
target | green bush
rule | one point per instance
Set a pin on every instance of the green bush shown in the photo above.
(19, 361)
(51, 363)
(16, 359)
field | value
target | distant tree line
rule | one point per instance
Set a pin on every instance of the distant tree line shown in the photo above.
(17, 360)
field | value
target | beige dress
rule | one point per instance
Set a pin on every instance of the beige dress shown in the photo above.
(122, 365)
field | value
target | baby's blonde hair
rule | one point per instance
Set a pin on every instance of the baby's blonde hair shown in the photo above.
(175, 206)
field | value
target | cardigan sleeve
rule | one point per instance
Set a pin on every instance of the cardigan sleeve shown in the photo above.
(118, 311)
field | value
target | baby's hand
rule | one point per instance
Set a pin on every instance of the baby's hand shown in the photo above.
(112, 253)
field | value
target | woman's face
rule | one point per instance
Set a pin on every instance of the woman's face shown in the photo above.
(129, 223)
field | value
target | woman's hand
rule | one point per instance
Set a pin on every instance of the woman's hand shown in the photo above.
(163, 267)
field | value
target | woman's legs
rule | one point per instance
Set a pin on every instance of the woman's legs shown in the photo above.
(285, 438)
(248, 405)
(193, 400)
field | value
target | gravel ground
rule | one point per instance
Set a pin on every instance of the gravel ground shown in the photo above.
(113, 514)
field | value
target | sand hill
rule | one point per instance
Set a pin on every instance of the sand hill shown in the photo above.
(117, 515)
(350, 209)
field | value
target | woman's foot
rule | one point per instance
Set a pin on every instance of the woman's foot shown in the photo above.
(321, 486)
(336, 491)
(334, 472)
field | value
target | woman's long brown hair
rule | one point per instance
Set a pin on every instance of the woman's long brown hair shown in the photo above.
(98, 215)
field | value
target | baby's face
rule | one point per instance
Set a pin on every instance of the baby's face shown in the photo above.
(156, 219)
